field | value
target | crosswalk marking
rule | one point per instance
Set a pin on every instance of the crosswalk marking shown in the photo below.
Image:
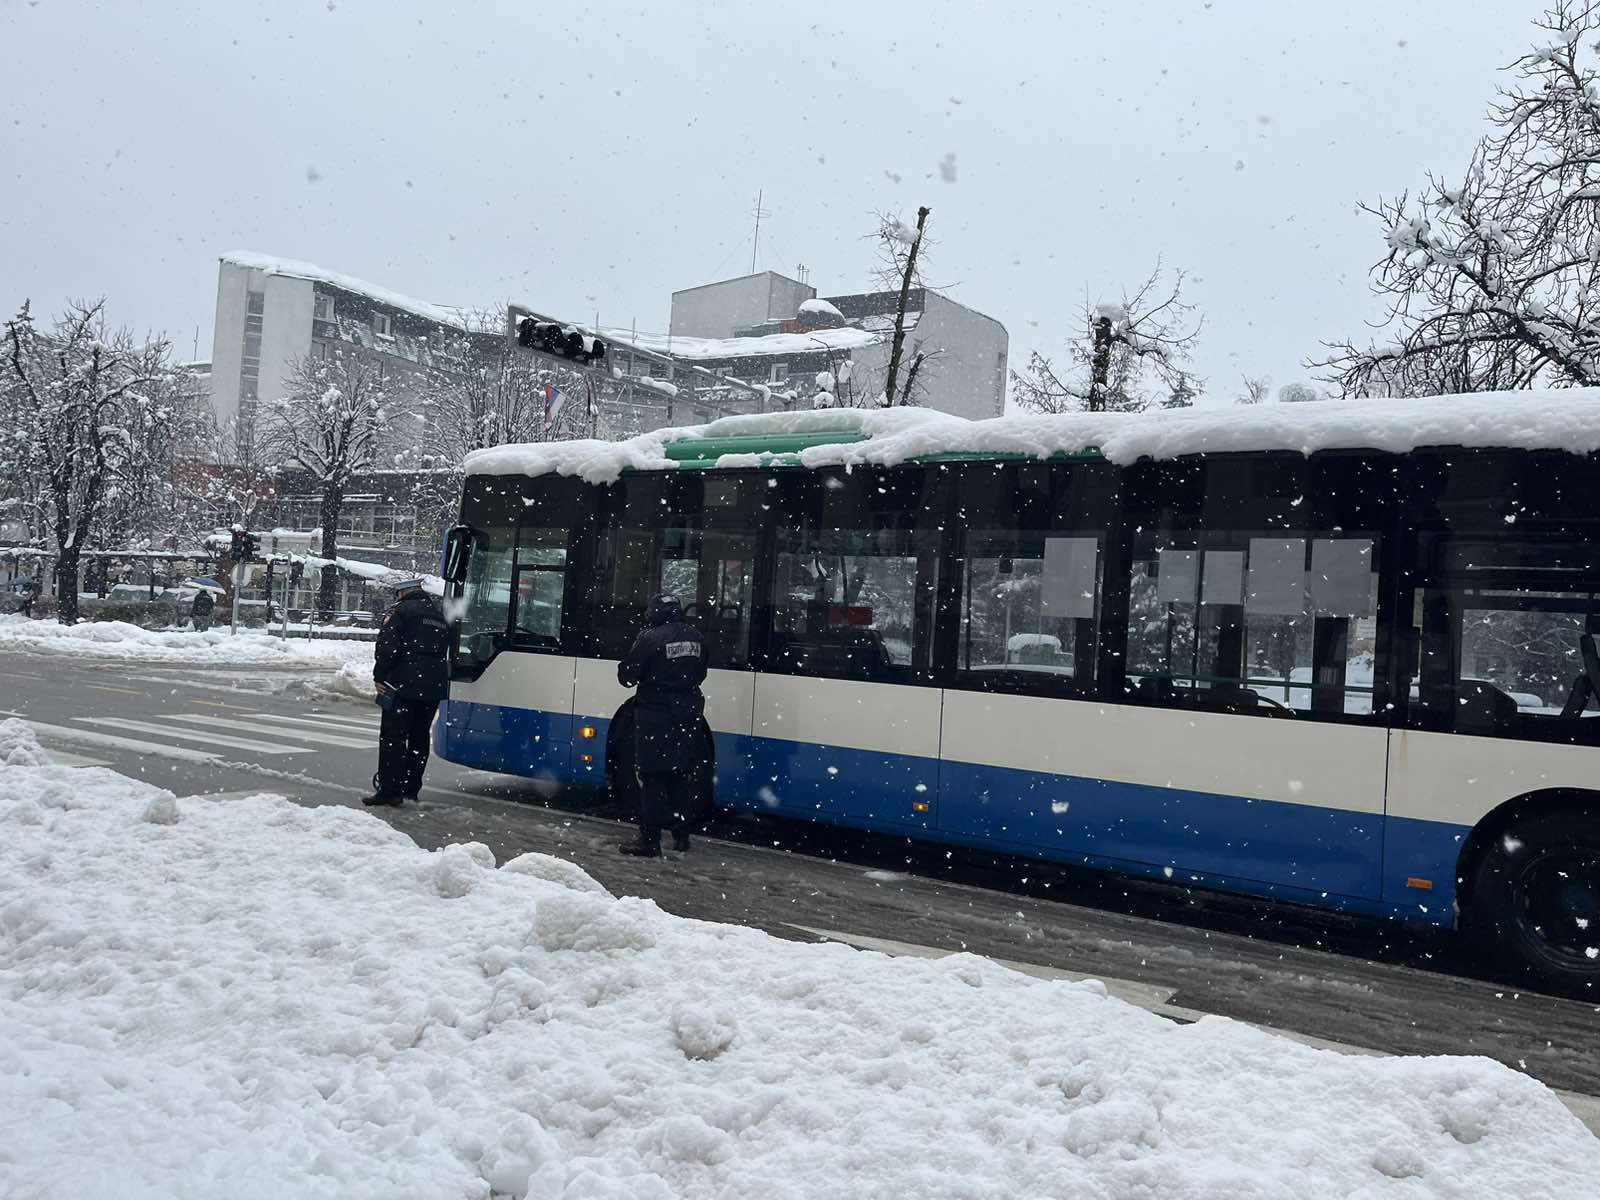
(112, 741)
(62, 758)
(336, 724)
(304, 735)
(194, 735)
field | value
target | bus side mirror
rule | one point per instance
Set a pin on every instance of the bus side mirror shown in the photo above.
(457, 550)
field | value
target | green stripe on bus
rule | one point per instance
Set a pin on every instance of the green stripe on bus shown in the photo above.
(690, 449)
(705, 454)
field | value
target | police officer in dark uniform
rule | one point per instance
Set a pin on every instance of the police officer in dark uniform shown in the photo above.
(411, 671)
(667, 664)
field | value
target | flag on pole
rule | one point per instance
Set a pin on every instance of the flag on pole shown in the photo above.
(553, 400)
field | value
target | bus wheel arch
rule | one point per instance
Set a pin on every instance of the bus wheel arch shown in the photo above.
(1528, 881)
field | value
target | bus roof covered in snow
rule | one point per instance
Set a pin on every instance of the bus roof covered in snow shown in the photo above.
(1531, 420)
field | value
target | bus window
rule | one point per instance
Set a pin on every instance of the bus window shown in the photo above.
(1501, 626)
(1030, 605)
(708, 570)
(486, 594)
(845, 602)
(539, 587)
(1030, 548)
(1254, 622)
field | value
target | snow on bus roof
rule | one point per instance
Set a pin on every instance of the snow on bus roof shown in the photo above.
(1566, 419)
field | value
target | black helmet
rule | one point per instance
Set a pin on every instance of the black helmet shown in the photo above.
(664, 609)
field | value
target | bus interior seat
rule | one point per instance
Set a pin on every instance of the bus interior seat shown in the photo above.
(1155, 689)
(1483, 706)
(1587, 685)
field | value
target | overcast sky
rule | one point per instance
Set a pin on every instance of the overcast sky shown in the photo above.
(594, 158)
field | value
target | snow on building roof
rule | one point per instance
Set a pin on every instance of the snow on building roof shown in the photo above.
(272, 265)
(693, 348)
(821, 308)
(1532, 420)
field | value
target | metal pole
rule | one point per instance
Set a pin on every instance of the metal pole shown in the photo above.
(288, 569)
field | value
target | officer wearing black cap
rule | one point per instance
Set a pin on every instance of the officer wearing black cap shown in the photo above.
(667, 664)
(411, 673)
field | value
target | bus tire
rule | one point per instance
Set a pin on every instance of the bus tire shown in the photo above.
(1536, 898)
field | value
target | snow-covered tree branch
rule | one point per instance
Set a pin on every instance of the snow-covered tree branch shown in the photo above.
(331, 426)
(88, 424)
(1129, 355)
(1490, 278)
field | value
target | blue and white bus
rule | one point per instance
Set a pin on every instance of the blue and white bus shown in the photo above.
(1341, 654)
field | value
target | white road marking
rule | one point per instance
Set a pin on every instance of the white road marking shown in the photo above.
(111, 741)
(252, 726)
(319, 722)
(195, 735)
(63, 758)
(1154, 999)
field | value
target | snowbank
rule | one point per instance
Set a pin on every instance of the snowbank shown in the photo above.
(247, 998)
(1535, 420)
(118, 639)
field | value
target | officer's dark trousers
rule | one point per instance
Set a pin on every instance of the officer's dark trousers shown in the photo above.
(666, 798)
(403, 748)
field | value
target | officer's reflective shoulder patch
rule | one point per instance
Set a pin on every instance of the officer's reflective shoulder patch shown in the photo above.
(683, 649)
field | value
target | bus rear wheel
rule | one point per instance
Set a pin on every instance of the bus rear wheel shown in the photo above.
(1536, 895)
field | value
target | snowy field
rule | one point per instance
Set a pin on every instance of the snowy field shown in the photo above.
(247, 998)
(118, 639)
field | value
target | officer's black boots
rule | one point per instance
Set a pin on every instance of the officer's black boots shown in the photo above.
(643, 847)
(680, 842)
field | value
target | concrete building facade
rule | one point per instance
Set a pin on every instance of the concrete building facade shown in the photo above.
(797, 338)
(274, 312)
(719, 310)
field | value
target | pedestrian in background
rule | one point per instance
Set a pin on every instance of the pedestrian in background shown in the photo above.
(411, 675)
(27, 596)
(200, 610)
(667, 664)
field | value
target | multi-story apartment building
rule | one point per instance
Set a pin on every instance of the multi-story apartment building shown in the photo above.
(769, 330)
(275, 312)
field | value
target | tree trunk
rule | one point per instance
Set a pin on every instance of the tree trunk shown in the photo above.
(327, 589)
(67, 585)
(900, 310)
(1100, 365)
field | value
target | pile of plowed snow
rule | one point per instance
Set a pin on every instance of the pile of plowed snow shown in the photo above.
(248, 998)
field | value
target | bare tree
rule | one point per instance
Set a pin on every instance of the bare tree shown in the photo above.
(1256, 389)
(1492, 279)
(899, 248)
(488, 400)
(88, 420)
(331, 425)
(1126, 350)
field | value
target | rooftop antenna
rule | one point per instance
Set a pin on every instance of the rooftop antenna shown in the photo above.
(758, 213)
(804, 272)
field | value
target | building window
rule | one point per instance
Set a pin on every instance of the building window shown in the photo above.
(322, 308)
(382, 325)
(255, 307)
(778, 373)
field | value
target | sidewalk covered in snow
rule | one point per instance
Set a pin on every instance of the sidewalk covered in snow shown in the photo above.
(245, 997)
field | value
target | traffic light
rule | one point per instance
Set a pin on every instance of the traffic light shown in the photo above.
(560, 341)
(243, 547)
